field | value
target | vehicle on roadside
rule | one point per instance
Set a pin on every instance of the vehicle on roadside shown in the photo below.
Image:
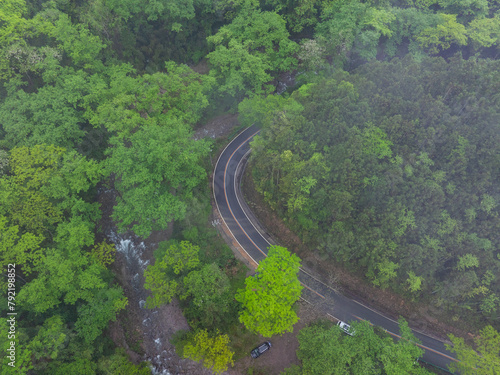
(262, 348)
(346, 328)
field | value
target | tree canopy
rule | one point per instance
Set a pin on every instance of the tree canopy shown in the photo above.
(379, 156)
(269, 296)
(483, 359)
(162, 278)
(380, 169)
(326, 349)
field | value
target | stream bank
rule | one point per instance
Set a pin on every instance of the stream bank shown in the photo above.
(145, 334)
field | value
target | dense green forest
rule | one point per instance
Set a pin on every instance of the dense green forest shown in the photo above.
(384, 155)
(393, 170)
(325, 349)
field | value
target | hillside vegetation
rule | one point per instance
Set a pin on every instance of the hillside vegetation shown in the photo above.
(385, 156)
(393, 170)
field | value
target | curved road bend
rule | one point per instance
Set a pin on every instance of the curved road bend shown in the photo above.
(225, 185)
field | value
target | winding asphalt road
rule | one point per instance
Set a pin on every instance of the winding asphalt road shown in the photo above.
(226, 193)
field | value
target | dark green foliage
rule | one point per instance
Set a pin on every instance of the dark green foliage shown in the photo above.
(249, 52)
(326, 349)
(411, 201)
(347, 162)
(118, 363)
(208, 292)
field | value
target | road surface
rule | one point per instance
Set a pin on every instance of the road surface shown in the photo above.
(255, 243)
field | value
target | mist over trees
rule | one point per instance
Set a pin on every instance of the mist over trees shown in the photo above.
(393, 169)
(384, 155)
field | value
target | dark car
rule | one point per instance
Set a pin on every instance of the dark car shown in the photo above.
(264, 347)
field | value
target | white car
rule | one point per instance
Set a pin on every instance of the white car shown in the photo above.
(346, 328)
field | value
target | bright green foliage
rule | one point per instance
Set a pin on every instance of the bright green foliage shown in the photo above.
(414, 282)
(104, 253)
(490, 304)
(386, 272)
(406, 220)
(94, 316)
(213, 351)
(249, 51)
(375, 142)
(443, 35)
(181, 257)
(155, 159)
(163, 290)
(378, 168)
(75, 234)
(269, 296)
(157, 175)
(484, 32)
(77, 42)
(47, 228)
(208, 290)
(484, 360)
(159, 99)
(293, 370)
(467, 261)
(62, 278)
(31, 170)
(163, 278)
(23, 250)
(11, 12)
(401, 357)
(80, 366)
(16, 56)
(325, 349)
(488, 203)
(262, 111)
(379, 20)
(45, 182)
(51, 115)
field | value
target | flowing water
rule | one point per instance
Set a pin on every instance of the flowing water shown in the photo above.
(152, 329)
(132, 252)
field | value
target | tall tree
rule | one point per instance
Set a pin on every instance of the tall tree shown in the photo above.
(208, 291)
(249, 51)
(442, 36)
(164, 278)
(326, 349)
(269, 296)
(153, 156)
(213, 351)
(483, 359)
